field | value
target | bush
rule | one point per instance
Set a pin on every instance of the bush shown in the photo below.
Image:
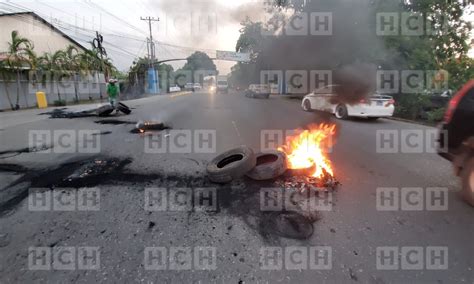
(59, 103)
(436, 115)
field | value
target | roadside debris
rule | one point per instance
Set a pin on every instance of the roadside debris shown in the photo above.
(103, 110)
(303, 184)
(144, 126)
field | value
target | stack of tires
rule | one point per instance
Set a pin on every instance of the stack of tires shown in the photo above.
(242, 161)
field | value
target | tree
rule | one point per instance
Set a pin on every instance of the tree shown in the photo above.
(19, 55)
(199, 61)
(55, 64)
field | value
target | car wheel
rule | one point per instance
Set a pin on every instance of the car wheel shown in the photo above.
(306, 105)
(341, 112)
(467, 177)
(373, 118)
(231, 165)
(269, 165)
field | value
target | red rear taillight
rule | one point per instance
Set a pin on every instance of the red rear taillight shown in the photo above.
(390, 102)
(363, 101)
(453, 103)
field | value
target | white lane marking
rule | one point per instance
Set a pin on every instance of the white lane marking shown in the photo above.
(237, 130)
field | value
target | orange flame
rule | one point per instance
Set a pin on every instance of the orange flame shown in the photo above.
(310, 147)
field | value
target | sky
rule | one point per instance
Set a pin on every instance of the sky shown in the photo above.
(184, 26)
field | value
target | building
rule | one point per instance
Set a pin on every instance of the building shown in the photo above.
(46, 38)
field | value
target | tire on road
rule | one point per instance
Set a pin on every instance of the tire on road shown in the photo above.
(123, 108)
(306, 105)
(270, 164)
(231, 165)
(467, 178)
(372, 118)
(341, 112)
(105, 110)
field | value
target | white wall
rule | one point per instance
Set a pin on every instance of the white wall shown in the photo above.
(43, 37)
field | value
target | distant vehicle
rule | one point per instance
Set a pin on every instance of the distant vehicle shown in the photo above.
(222, 85)
(373, 108)
(258, 91)
(189, 87)
(209, 83)
(456, 138)
(197, 87)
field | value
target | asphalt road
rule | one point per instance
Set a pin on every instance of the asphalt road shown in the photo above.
(353, 231)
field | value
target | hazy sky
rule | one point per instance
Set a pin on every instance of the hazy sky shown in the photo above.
(184, 26)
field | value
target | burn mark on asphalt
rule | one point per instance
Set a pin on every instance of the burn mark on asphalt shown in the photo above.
(102, 133)
(16, 152)
(13, 168)
(114, 121)
(63, 113)
(240, 198)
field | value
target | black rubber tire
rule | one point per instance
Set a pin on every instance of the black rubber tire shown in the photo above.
(307, 105)
(270, 165)
(231, 165)
(123, 108)
(467, 179)
(341, 112)
(372, 118)
(105, 110)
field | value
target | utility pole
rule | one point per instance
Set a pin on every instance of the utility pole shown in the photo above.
(152, 76)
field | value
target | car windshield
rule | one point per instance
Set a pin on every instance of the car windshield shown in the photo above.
(237, 141)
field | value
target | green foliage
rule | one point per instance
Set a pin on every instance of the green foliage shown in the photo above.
(199, 61)
(436, 115)
(59, 103)
(410, 105)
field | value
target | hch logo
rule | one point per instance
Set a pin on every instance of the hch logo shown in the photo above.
(279, 199)
(182, 142)
(64, 199)
(180, 258)
(412, 199)
(296, 258)
(63, 258)
(66, 141)
(180, 199)
(412, 258)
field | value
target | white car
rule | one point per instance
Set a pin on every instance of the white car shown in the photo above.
(375, 107)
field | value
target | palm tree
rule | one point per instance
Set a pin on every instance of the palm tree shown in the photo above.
(19, 51)
(54, 63)
(72, 65)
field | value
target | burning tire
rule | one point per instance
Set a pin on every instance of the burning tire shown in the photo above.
(341, 112)
(269, 165)
(467, 177)
(231, 164)
(123, 108)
